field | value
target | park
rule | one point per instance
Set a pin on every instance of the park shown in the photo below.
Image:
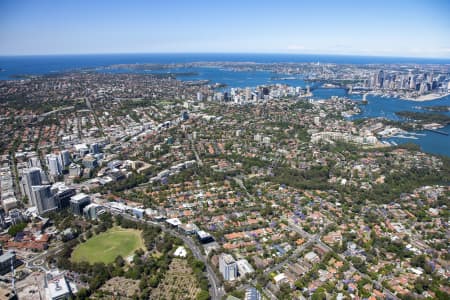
(106, 246)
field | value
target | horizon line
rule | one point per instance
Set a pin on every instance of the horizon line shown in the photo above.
(231, 52)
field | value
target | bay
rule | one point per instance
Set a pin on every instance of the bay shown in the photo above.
(11, 66)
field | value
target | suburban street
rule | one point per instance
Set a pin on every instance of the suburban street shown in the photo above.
(216, 289)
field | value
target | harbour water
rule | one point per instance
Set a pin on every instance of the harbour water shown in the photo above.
(431, 142)
(377, 107)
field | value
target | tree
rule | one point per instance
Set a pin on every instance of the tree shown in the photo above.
(319, 294)
(202, 295)
(13, 230)
(82, 294)
(120, 262)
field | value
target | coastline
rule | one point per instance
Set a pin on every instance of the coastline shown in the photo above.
(424, 98)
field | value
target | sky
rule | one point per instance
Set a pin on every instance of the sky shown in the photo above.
(406, 28)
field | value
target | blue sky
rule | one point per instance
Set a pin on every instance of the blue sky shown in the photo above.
(383, 28)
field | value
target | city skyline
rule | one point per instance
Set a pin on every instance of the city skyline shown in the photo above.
(382, 28)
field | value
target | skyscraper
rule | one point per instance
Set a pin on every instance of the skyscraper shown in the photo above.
(42, 198)
(95, 148)
(412, 82)
(65, 158)
(380, 79)
(30, 177)
(53, 164)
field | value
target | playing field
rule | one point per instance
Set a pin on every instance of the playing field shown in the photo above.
(106, 246)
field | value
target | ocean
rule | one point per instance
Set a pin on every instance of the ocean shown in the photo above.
(45, 64)
(11, 66)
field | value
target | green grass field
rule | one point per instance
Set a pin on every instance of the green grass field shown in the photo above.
(106, 246)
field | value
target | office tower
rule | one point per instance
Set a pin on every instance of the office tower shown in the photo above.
(227, 266)
(184, 116)
(90, 162)
(6, 260)
(423, 88)
(373, 81)
(30, 177)
(412, 82)
(42, 198)
(82, 149)
(248, 94)
(380, 78)
(78, 203)
(65, 158)
(34, 162)
(74, 170)
(53, 164)
(62, 194)
(95, 148)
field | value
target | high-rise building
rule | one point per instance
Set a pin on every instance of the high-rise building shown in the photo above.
(34, 162)
(53, 164)
(248, 94)
(74, 170)
(65, 158)
(95, 148)
(380, 78)
(6, 260)
(227, 266)
(423, 88)
(62, 194)
(184, 116)
(30, 177)
(412, 82)
(78, 203)
(42, 198)
(90, 162)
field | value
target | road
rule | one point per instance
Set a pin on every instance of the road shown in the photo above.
(315, 239)
(387, 293)
(197, 157)
(216, 289)
(43, 256)
(293, 256)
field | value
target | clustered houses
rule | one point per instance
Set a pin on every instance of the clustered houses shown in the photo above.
(276, 188)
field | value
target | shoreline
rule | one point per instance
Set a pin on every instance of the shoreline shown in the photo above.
(424, 98)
